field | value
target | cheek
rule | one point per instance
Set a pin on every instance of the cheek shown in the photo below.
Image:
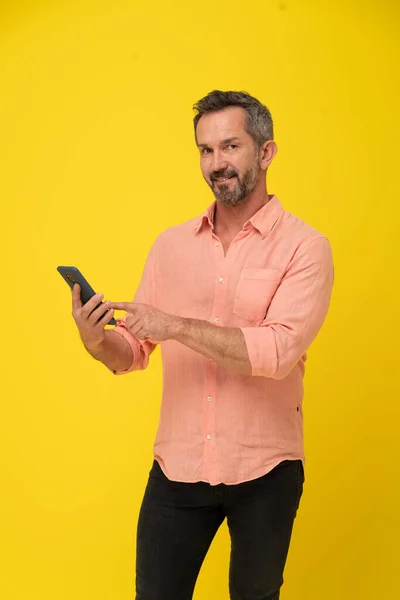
(237, 165)
(205, 170)
(245, 169)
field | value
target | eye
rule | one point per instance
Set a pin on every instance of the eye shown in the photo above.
(205, 151)
(232, 146)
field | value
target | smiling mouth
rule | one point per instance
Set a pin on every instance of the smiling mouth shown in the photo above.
(223, 179)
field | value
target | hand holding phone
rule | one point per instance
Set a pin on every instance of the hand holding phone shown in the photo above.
(72, 275)
(90, 314)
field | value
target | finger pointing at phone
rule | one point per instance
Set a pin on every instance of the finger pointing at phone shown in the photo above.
(129, 307)
(146, 322)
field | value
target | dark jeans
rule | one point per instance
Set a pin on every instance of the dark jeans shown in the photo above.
(178, 521)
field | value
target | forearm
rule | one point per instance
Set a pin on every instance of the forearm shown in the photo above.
(225, 345)
(115, 352)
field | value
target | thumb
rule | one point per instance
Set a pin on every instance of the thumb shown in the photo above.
(76, 296)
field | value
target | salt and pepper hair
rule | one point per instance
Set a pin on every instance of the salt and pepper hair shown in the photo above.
(259, 123)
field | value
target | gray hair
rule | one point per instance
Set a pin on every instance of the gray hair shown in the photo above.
(259, 123)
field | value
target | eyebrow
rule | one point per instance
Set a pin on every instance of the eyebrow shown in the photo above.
(225, 141)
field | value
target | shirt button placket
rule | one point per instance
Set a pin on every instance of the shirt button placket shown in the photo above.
(210, 465)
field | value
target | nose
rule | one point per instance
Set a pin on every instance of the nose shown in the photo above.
(218, 162)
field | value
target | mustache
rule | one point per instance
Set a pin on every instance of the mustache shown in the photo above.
(223, 173)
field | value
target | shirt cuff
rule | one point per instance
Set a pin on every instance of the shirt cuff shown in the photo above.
(261, 348)
(132, 341)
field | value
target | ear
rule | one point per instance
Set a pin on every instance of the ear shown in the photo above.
(267, 152)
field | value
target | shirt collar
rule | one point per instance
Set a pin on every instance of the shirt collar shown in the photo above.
(263, 220)
(206, 217)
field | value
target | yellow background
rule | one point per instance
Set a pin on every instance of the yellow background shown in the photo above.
(97, 157)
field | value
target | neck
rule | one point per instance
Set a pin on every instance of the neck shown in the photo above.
(229, 220)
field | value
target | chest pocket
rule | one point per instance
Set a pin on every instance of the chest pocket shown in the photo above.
(254, 293)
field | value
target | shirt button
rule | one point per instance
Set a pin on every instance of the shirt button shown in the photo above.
(209, 398)
(209, 437)
(221, 280)
(216, 320)
(217, 244)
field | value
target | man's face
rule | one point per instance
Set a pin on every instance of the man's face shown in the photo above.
(228, 157)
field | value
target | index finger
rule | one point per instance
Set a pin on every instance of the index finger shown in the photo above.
(129, 307)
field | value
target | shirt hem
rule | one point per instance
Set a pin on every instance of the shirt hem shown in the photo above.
(265, 471)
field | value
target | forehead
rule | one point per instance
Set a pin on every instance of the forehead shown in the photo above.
(222, 124)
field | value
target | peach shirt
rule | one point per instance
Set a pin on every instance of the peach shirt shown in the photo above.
(275, 284)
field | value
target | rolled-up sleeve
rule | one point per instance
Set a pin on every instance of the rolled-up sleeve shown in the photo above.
(296, 313)
(141, 350)
(146, 294)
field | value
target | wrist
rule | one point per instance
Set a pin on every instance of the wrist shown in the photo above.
(94, 348)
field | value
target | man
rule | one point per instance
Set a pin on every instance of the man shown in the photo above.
(235, 297)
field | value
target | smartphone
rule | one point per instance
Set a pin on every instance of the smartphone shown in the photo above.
(72, 275)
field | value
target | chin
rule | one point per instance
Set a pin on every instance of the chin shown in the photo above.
(231, 201)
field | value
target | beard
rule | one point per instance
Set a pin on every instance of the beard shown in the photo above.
(232, 196)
